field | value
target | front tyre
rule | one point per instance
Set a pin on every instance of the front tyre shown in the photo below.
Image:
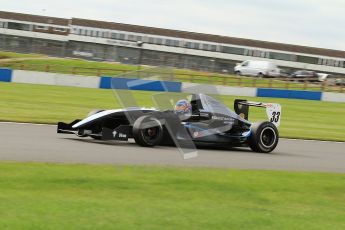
(264, 137)
(147, 131)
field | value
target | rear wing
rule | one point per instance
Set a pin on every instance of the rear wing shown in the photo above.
(273, 110)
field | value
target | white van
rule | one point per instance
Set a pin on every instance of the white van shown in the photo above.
(257, 68)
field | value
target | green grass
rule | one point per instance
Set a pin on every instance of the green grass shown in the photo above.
(50, 104)
(9, 55)
(56, 196)
(83, 67)
(95, 68)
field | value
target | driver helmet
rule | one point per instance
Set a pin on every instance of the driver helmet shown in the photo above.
(183, 107)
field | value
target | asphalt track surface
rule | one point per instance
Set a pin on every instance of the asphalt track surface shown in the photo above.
(40, 143)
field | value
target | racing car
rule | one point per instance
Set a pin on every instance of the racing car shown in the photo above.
(203, 120)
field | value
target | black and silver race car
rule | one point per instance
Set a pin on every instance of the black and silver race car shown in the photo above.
(202, 120)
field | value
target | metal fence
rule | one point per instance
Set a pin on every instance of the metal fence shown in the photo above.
(125, 55)
(193, 77)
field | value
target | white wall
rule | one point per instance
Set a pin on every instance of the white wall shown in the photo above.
(33, 77)
(335, 97)
(218, 89)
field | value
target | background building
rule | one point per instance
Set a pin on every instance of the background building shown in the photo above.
(133, 44)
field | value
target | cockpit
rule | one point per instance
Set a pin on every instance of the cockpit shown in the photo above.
(203, 107)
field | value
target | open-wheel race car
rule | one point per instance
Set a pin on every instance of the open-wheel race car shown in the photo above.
(202, 120)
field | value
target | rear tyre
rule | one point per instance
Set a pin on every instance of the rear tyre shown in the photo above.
(147, 131)
(264, 137)
(93, 112)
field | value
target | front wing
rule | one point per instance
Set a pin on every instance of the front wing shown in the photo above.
(121, 132)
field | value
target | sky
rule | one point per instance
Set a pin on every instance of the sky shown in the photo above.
(317, 23)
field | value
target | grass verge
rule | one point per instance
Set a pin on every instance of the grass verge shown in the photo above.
(50, 104)
(9, 55)
(96, 68)
(55, 196)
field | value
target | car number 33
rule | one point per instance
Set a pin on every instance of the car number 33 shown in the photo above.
(273, 112)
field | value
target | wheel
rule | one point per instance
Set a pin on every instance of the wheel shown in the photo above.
(93, 112)
(264, 137)
(238, 73)
(147, 131)
(260, 75)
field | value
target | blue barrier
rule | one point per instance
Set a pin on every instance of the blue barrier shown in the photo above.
(105, 83)
(5, 75)
(292, 94)
(139, 84)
